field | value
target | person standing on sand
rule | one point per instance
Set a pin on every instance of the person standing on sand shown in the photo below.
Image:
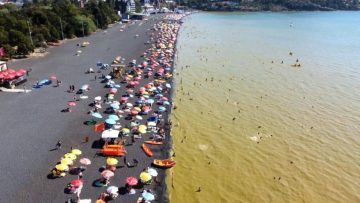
(58, 145)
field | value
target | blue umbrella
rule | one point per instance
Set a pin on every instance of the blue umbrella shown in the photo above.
(110, 121)
(161, 108)
(97, 115)
(166, 103)
(148, 196)
(113, 117)
(150, 101)
(115, 106)
(117, 86)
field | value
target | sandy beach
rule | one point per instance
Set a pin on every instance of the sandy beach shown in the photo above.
(32, 123)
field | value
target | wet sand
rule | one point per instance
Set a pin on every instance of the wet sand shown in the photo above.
(33, 122)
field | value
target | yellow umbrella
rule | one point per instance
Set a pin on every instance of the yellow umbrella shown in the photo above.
(142, 129)
(125, 130)
(70, 156)
(67, 161)
(145, 177)
(145, 93)
(62, 167)
(111, 161)
(77, 152)
(137, 109)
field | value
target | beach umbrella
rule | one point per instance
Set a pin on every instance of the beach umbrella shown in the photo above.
(151, 124)
(62, 167)
(152, 172)
(147, 196)
(85, 87)
(67, 161)
(129, 105)
(70, 156)
(85, 161)
(98, 106)
(98, 98)
(133, 112)
(133, 124)
(125, 130)
(77, 152)
(71, 104)
(129, 91)
(168, 85)
(76, 182)
(96, 115)
(142, 89)
(162, 109)
(131, 181)
(166, 103)
(111, 161)
(108, 77)
(110, 121)
(114, 117)
(115, 106)
(137, 109)
(138, 117)
(124, 99)
(53, 77)
(107, 174)
(150, 101)
(112, 189)
(145, 177)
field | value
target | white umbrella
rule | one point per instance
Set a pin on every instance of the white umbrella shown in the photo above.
(112, 189)
(129, 105)
(98, 98)
(152, 172)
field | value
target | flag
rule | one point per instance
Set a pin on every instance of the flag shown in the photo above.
(2, 51)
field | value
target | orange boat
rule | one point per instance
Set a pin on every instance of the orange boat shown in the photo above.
(117, 146)
(153, 142)
(112, 151)
(165, 163)
(147, 150)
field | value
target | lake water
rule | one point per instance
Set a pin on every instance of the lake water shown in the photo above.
(249, 126)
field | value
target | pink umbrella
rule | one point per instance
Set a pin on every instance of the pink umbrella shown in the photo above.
(142, 89)
(129, 91)
(124, 99)
(131, 181)
(71, 103)
(133, 112)
(107, 174)
(53, 77)
(132, 83)
(85, 161)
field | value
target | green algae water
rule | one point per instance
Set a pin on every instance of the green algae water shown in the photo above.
(251, 127)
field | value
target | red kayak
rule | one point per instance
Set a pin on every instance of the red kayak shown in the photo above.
(147, 151)
(153, 142)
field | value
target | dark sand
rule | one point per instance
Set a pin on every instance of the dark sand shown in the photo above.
(31, 123)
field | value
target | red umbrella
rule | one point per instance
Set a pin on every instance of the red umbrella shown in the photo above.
(11, 71)
(147, 86)
(22, 70)
(107, 174)
(72, 103)
(19, 73)
(132, 83)
(76, 182)
(10, 76)
(1, 75)
(131, 181)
